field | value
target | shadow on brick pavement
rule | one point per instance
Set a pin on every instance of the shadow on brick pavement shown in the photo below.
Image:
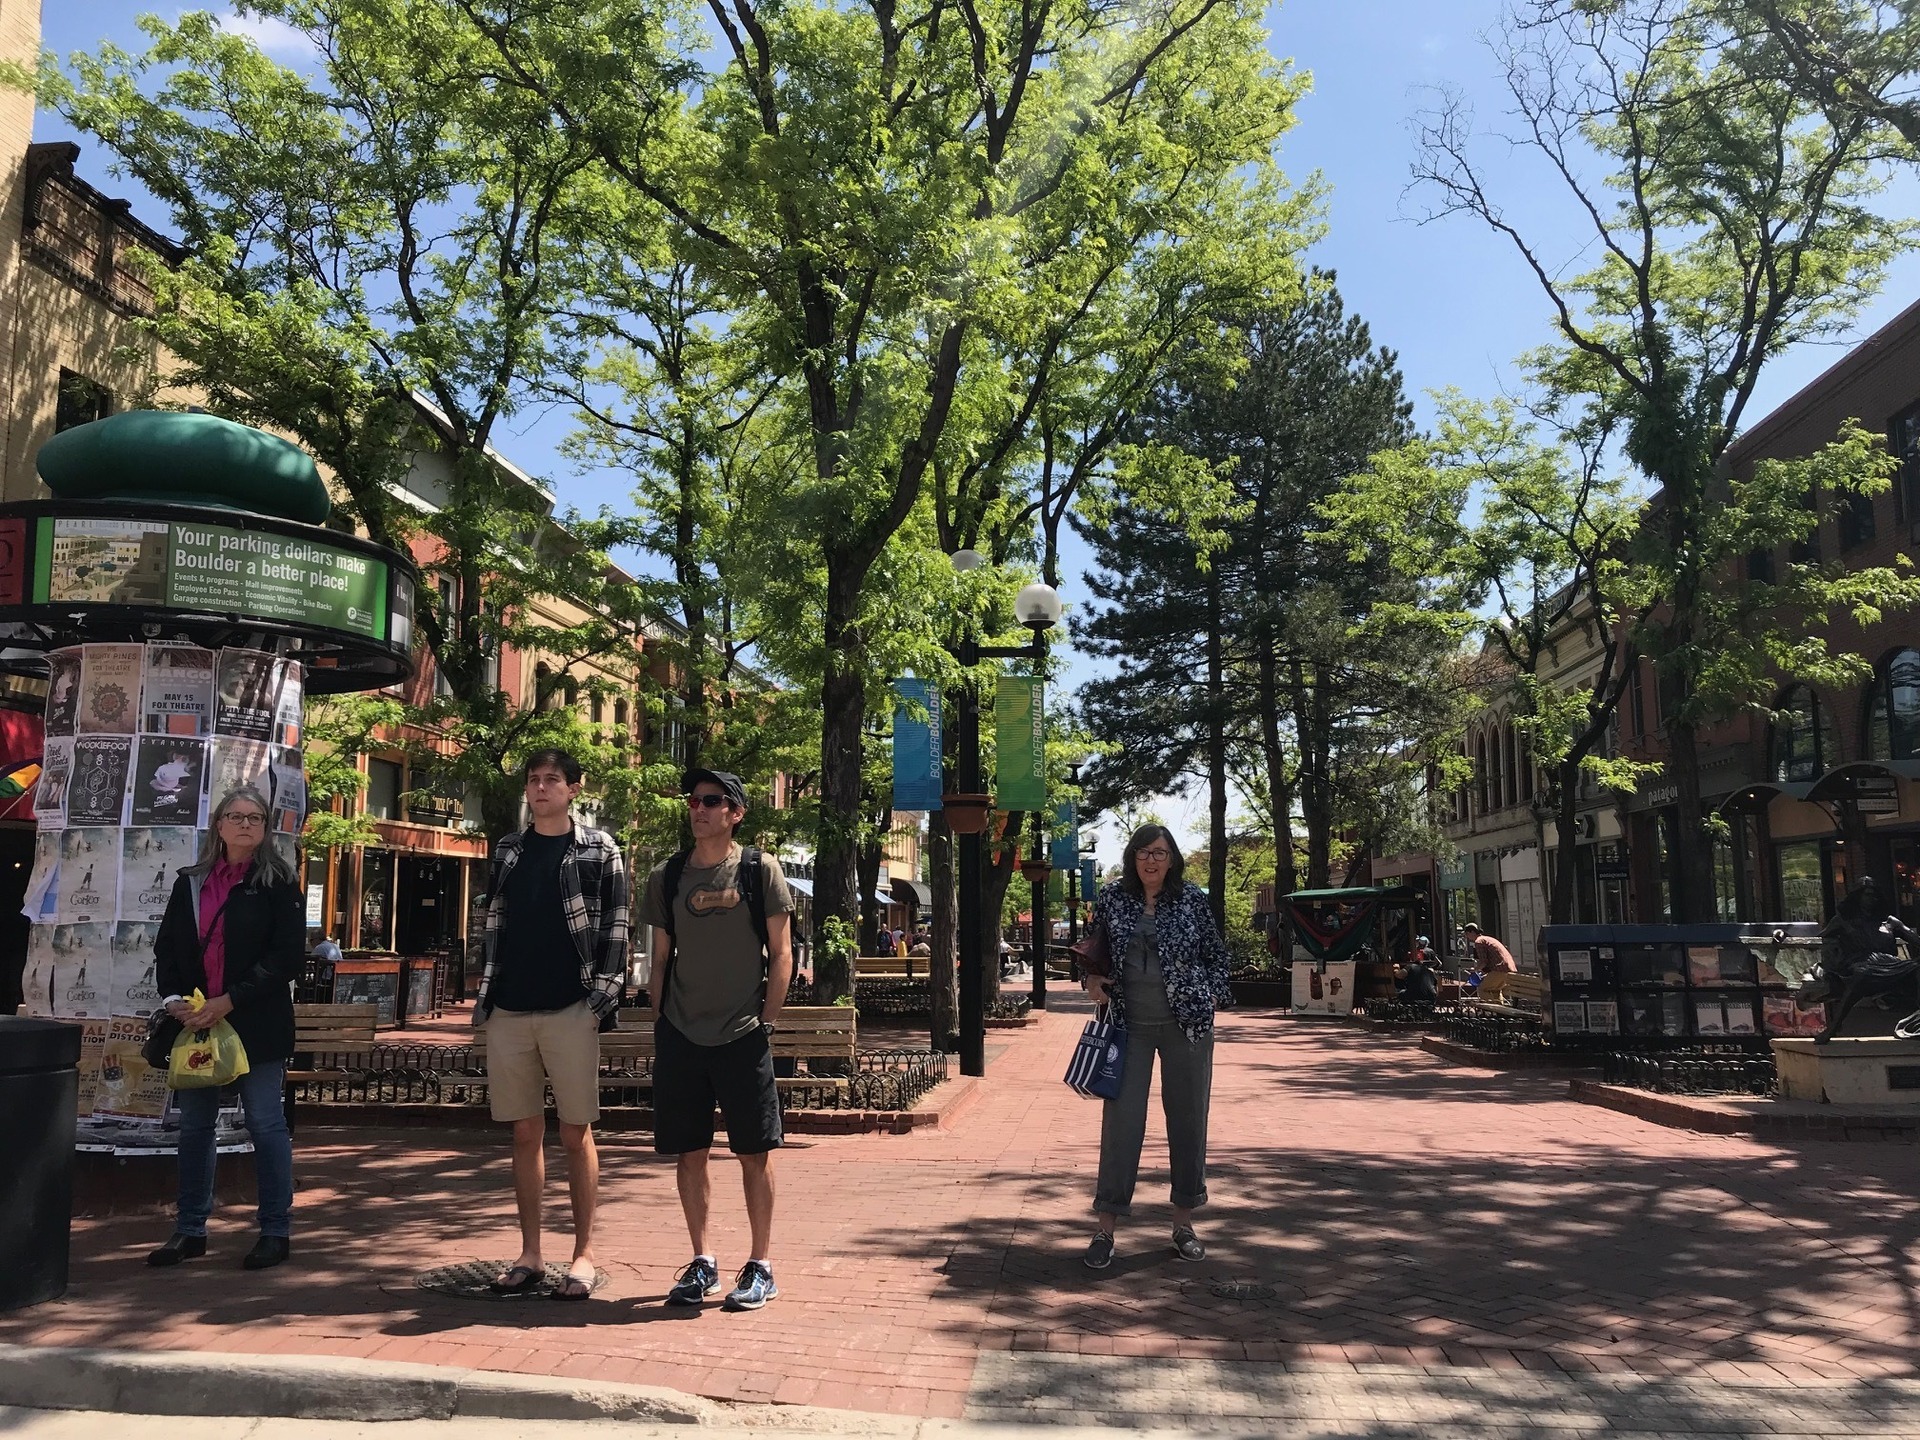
(1371, 1205)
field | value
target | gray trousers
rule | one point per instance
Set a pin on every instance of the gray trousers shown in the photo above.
(1186, 1090)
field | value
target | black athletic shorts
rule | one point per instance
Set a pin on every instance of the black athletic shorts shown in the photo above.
(690, 1081)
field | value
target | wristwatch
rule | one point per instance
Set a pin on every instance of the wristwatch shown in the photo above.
(767, 1027)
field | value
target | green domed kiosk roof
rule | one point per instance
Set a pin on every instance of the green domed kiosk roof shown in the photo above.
(187, 458)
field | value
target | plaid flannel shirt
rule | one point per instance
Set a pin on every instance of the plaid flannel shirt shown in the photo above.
(593, 892)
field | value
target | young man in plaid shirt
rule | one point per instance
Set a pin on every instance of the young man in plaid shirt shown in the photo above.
(556, 955)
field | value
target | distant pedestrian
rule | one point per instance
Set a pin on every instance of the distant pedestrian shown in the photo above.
(1492, 961)
(556, 958)
(235, 930)
(1419, 980)
(1170, 975)
(722, 923)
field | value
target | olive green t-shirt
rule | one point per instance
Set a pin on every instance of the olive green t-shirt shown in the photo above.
(719, 976)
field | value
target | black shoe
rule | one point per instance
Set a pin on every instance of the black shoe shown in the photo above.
(268, 1251)
(693, 1284)
(1099, 1251)
(1186, 1244)
(178, 1247)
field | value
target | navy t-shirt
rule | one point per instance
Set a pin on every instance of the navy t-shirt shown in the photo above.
(538, 966)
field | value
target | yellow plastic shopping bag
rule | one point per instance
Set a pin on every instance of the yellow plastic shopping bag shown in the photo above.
(206, 1057)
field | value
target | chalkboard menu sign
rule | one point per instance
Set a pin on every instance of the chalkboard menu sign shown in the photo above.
(370, 982)
(419, 988)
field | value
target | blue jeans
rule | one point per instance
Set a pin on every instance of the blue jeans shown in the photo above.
(262, 1096)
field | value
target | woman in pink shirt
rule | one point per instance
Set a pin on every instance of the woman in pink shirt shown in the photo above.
(234, 930)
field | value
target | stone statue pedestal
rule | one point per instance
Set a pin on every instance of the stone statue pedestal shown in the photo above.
(1851, 1071)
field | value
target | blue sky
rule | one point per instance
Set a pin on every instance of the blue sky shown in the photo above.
(1450, 297)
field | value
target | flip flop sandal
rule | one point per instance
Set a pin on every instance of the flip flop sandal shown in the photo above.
(517, 1281)
(573, 1288)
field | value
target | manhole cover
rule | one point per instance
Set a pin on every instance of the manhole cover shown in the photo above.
(1243, 1290)
(471, 1279)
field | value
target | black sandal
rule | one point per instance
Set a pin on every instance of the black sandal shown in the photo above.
(573, 1288)
(528, 1279)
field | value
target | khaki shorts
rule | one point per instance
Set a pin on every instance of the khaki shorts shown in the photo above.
(528, 1050)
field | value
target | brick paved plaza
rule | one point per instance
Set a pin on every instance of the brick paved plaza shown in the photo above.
(1372, 1206)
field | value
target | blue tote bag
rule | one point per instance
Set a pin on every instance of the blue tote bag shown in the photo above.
(1099, 1060)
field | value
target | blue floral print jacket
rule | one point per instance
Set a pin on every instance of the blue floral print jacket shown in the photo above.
(1193, 957)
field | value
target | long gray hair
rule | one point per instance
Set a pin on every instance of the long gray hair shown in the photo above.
(270, 867)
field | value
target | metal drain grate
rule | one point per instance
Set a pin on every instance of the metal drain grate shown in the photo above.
(470, 1280)
(1243, 1290)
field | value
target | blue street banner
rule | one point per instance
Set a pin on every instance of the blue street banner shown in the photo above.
(1066, 839)
(916, 745)
(1089, 879)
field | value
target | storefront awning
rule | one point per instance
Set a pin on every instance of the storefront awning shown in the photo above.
(1752, 799)
(912, 892)
(1870, 785)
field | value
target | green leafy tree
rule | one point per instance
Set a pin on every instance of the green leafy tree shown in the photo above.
(1730, 218)
(910, 212)
(372, 271)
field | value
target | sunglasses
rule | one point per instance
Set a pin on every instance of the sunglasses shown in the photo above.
(705, 802)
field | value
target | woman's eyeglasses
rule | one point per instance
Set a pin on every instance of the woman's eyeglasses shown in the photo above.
(244, 819)
(705, 802)
(1158, 857)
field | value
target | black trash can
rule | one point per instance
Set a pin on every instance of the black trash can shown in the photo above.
(39, 1094)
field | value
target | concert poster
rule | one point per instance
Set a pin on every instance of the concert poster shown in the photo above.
(37, 983)
(289, 792)
(63, 690)
(128, 1085)
(136, 990)
(248, 696)
(151, 859)
(88, 887)
(287, 722)
(176, 694)
(110, 690)
(238, 762)
(82, 971)
(97, 793)
(169, 781)
(93, 1052)
(50, 793)
(42, 900)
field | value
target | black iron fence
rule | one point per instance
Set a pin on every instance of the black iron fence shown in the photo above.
(1694, 1070)
(456, 1075)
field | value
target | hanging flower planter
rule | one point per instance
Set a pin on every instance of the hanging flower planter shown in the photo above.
(966, 814)
(1036, 871)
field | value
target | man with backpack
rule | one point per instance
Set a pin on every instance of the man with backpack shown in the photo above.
(722, 931)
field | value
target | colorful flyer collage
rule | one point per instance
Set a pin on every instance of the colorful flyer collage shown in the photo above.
(141, 740)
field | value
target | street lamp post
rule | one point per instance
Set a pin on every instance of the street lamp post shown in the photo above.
(1037, 869)
(1038, 608)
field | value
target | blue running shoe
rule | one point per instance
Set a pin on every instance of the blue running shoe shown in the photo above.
(693, 1284)
(752, 1288)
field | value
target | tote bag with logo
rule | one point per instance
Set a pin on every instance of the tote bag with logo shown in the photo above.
(1099, 1060)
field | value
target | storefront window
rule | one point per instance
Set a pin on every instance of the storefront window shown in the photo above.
(1664, 831)
(1802, 883)
(1893, 709)
(376, 900)
(1725, 882)
(1802, 742)
(1906, 880)
(383, 789)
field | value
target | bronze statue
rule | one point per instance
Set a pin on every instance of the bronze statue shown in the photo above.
(1861, 958)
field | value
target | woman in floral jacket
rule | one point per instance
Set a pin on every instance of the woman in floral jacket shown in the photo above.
(1169, 975)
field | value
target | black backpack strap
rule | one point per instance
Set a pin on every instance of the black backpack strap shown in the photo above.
(669, 894)
(753, 890)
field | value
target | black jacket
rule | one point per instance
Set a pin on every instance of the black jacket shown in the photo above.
(266, 934)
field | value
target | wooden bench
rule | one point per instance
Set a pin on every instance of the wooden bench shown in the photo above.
(1523, 994)
(804, 1032)
(891, 967)
(326, 1029)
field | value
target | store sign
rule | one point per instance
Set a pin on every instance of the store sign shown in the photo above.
(219, 568)
(1874, 794)
(426, 809)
